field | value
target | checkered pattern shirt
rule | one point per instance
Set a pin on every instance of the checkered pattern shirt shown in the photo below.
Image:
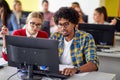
(82, 49)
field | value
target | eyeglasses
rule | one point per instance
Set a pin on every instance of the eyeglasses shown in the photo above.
(65, 25)
(38, 25)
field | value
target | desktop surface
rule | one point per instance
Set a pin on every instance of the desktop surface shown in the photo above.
(8, 71)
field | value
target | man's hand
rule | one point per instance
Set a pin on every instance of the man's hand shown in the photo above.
(69, 71)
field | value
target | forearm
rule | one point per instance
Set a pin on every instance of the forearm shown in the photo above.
(4, 52)
(88, 67)
(4, 43)
(4, 55)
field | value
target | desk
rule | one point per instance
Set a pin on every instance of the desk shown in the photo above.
(8, 71)
(110, 62)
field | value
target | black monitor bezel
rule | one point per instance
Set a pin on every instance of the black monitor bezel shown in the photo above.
(52, 60)
(99, 27)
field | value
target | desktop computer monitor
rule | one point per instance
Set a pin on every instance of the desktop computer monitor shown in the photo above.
(102, 34)
(32, 51)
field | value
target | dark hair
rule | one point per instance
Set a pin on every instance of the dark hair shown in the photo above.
(44, 1)
(7, 12)
(102, 10)
(68, 14)
(77, 5)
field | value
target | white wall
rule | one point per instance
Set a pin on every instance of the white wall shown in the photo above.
(87, 6)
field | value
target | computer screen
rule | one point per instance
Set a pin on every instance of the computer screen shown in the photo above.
(102, 34)
(32, 51)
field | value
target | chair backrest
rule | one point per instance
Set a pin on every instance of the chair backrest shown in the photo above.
(46, 27)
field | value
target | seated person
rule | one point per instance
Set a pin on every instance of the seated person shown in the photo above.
(100, 15)
(33, 26)
(48, 15)
(76, 48)
(19, 13)
(83, 18)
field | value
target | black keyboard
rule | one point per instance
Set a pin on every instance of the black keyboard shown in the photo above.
(50, 74)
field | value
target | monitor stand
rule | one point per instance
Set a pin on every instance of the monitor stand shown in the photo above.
(30, 75)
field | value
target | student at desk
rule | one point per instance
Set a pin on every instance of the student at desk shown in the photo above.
(76, 48)
(33, 26)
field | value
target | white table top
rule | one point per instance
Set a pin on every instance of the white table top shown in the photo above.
(8, 71)
(113, 52)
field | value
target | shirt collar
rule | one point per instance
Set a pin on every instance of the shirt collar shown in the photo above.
(28, 34)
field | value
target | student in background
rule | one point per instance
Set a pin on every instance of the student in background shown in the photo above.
(19, 13)
(76, 47)
(47, 14)
(33, 26)
(17, 10)
(100, 15)
(83, 18)
(7, 18)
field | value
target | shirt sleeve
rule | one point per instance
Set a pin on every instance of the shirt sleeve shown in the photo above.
(14, 22)
(4, 54)
(90, 50)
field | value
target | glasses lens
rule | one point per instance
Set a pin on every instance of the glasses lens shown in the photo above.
(64, 24)
(38, 25)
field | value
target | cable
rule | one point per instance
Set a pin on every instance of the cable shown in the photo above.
(13, 74)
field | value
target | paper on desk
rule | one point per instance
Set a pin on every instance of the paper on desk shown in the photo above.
(82, 74)
(61, 67)
(3, 62)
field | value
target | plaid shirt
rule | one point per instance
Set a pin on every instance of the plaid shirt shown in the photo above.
(82, 49)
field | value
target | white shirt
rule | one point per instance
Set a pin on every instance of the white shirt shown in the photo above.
(66, 56)
(28, 34)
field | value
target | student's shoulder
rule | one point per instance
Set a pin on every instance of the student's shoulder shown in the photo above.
(12, 15)
(19, 32)
(57, 34)
(43, 33)
(80, 33)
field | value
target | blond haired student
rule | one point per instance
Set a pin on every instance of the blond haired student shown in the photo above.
(33, 26)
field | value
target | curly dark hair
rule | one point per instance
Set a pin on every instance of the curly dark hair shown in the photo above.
(67, 13)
